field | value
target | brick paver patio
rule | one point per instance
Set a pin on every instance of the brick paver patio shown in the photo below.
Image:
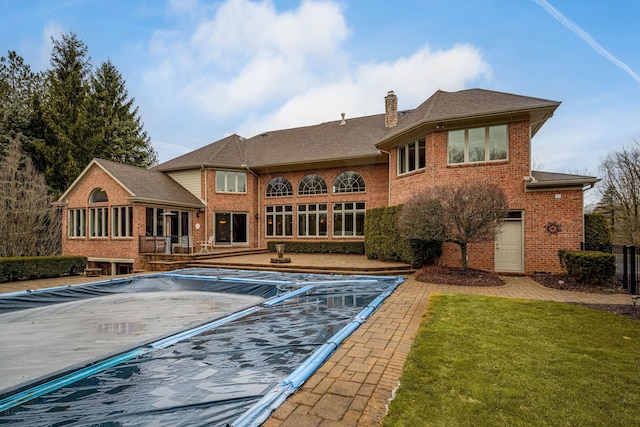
(355, 385)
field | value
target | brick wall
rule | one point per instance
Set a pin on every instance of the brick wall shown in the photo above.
(539, 208)
(230, 202)
(102, 247)
(376, 195)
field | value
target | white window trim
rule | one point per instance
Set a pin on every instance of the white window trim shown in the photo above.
(95, 225)
(318, 214)
(117, 222)
(487, 142)
(273, 215)
(227, 175)
(353, 212)
(405, 153)
(76, 216)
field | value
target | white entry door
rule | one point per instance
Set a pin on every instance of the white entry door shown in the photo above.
(508, 255)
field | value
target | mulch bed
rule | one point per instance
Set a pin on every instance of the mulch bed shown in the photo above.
(456, 276)
(470, 277)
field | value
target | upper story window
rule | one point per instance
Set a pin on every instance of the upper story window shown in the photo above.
(475, 145)
(279, 187)
(98, 196)
(312, 184)
(231, 182)
(411, 156)
(349, 182)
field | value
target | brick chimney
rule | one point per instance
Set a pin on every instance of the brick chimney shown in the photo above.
(390, 110)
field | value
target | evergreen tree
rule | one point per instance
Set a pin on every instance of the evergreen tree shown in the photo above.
(18, 87)
(63, 111)
(65, 117)
(117, 131)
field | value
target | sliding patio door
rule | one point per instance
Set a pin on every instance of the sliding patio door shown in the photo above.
(230, 228)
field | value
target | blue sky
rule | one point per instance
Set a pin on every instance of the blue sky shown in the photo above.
(200, 70)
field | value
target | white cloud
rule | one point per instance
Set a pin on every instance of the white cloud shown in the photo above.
(249, 67)
(52, 29)
(362, 91)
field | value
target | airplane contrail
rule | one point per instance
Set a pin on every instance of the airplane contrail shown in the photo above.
(569, 24)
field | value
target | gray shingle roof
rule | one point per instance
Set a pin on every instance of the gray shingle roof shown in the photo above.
(466, 104)
(149, 185)
(357, 139)
(555, 179)
(227, 152)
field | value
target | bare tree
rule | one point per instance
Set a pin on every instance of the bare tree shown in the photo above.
(620, 191)
(29, 225)
(464, 213)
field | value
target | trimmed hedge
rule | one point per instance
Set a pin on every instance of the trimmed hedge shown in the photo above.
(384, 242)
(319, 247)
(40, 267)
(590, 267)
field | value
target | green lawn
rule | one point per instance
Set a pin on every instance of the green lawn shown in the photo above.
(484, 361)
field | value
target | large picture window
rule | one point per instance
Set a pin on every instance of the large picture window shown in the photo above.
(279, 220)
(312, 220)
(231, 182)
(411, 156)
(476, 145)
(348, 219)
(122, 221)
(98, 224)
(76, 223)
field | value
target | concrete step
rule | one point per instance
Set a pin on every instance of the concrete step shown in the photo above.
(291, 268)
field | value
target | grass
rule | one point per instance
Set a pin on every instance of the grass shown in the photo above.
(484, 361)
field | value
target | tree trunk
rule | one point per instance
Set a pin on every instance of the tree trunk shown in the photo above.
(463, 249)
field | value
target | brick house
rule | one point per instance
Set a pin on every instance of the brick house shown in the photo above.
(315, 183)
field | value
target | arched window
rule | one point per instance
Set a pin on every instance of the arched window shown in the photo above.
(349, 182)
(312, 184)
(279, 187)
(98, 196)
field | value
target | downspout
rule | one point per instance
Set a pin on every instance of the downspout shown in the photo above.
(206, 205)
(584, 231)
(258, 207)
(380, 150)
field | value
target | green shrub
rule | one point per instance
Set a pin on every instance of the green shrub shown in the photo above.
(26, 268)
(590, 267)
(319, 247)
(384, 242)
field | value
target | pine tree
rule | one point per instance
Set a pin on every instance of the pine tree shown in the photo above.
(18, 87)
(64, 113)
(117, 131)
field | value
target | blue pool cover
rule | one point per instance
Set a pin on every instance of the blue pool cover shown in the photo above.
(234, 370)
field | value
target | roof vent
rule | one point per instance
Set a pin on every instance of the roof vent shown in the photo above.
(343, 122)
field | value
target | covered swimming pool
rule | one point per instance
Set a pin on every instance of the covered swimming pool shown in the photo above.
(190, 347)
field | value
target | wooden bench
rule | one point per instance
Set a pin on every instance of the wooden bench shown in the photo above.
(92, 272)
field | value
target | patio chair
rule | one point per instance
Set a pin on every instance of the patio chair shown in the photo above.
(206, 245)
